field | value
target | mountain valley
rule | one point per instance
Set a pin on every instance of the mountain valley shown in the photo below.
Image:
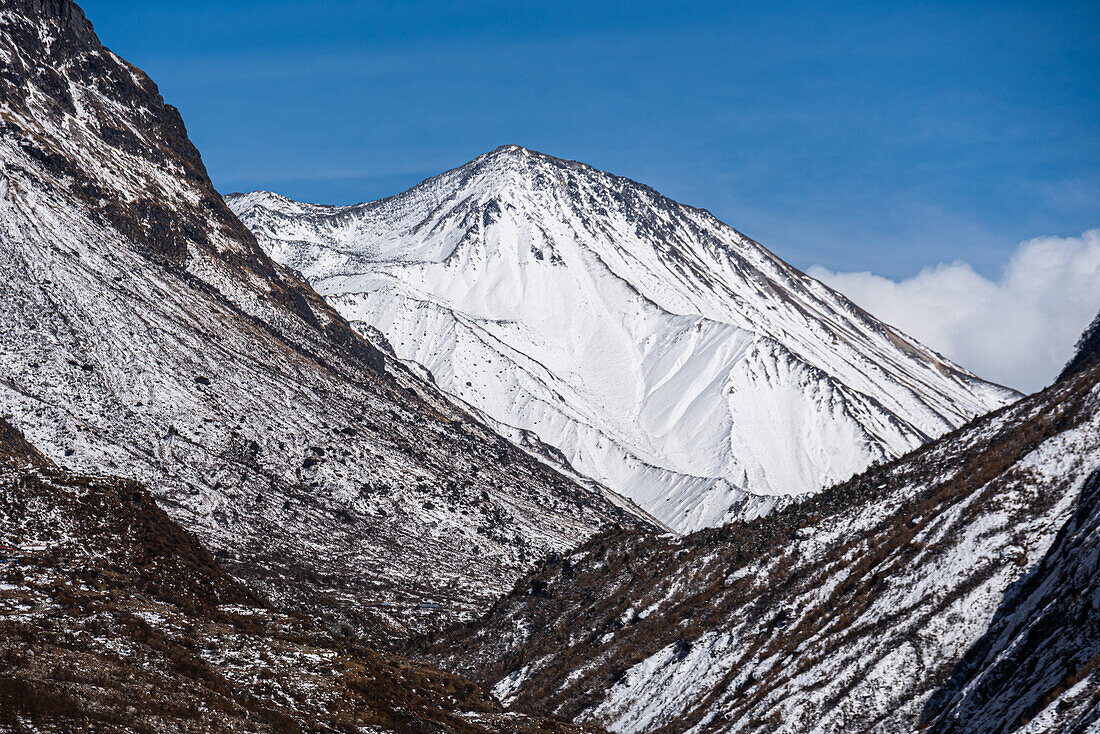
(146, 335)
(528, 448)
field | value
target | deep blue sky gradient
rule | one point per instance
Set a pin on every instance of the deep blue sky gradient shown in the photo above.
(880, 136)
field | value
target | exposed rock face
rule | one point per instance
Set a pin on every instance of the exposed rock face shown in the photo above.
(143, 332)
(665, 354)
(963, 574)
(1087, 352)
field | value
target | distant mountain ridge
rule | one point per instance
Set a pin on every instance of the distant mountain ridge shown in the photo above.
(664, 353)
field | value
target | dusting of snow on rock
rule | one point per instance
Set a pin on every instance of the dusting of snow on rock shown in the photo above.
(144, 333)
(954, 589)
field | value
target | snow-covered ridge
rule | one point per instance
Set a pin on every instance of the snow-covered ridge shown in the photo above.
(664, 353)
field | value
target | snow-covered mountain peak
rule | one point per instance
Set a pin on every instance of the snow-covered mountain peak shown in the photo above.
(665, 353)
(516, 158)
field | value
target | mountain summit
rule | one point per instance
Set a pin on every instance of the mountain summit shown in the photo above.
(666, 354)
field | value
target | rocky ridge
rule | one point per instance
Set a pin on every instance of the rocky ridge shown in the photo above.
(144, 333)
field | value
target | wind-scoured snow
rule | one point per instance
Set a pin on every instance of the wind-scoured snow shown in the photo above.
(664, 353)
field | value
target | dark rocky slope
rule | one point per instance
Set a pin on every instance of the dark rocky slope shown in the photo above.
(113, 618)
(848, 612)
(144, 333)
(1087, 352)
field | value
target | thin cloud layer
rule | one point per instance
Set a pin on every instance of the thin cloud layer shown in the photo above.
(1018, 330)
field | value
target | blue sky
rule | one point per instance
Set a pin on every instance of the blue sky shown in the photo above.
(857, 136)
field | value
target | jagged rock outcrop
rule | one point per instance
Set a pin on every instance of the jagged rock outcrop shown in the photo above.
(1087, 352)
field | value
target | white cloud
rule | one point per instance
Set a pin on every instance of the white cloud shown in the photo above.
(1018, 330)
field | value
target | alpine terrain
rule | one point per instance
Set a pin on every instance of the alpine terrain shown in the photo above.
(955, 589)
(143, 333)
(665, 354)
(439, 501)
(113, 618)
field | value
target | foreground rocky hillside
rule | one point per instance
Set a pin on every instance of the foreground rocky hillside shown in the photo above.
(113, 618)
(664, 353)
(954, 588)
(1036, 667)
(144, 333)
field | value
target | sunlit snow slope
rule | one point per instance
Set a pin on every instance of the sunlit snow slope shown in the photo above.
(667, 355)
